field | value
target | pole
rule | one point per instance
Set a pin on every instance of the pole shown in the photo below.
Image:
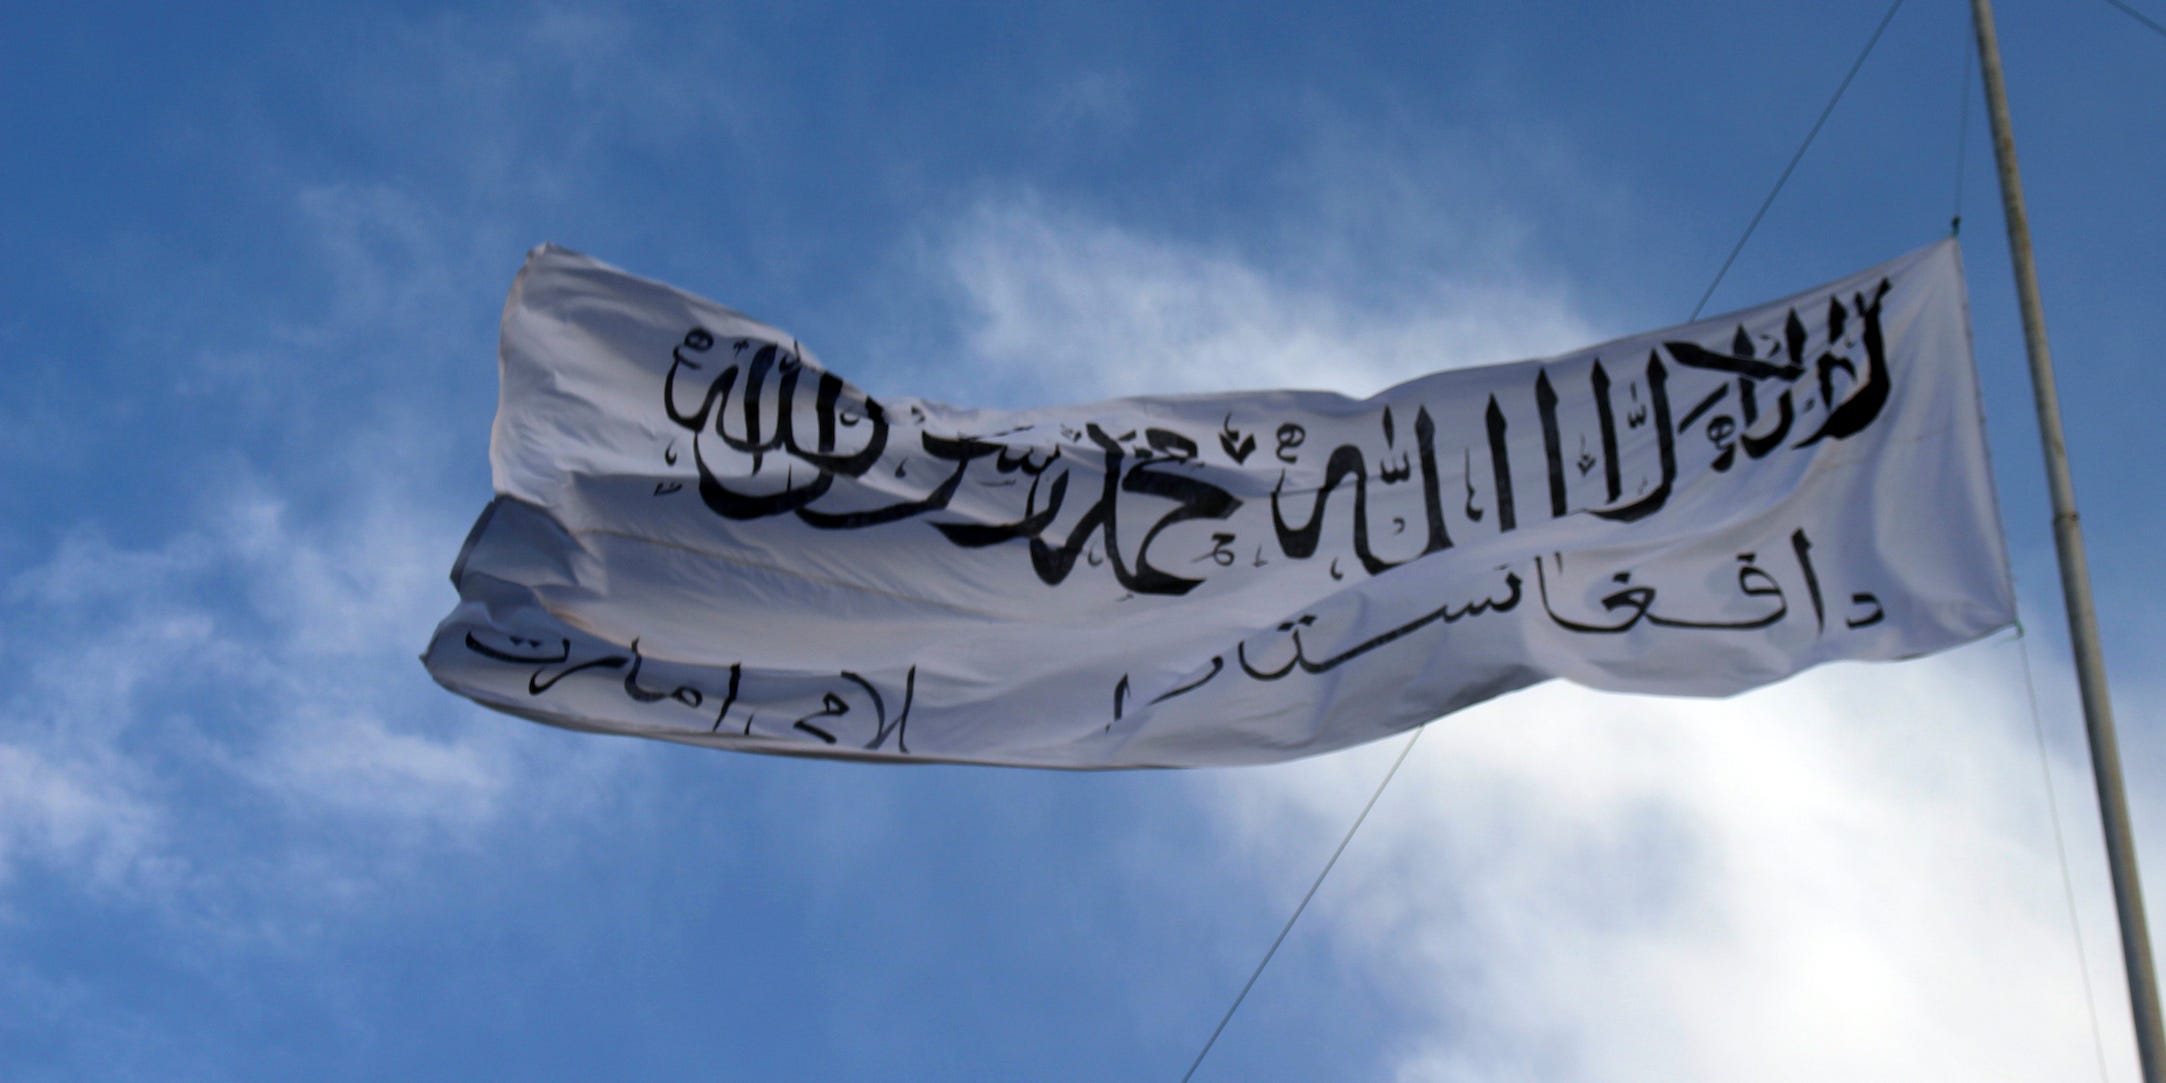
(2075, 575)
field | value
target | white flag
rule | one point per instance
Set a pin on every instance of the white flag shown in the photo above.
(702, 535)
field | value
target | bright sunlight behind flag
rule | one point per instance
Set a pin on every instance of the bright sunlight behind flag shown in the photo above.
(703, 535)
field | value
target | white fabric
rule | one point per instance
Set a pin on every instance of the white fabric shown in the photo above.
(701, 535)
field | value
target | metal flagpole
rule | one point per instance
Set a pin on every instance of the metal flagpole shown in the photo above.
(2075, 576)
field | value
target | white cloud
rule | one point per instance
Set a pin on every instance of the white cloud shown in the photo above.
(356, 763)
(71, 797)
(207, 712)
(1066, 305)
(521, 107)
(1849, 876)
(71, 814)
(1091, 101)
(200, 726)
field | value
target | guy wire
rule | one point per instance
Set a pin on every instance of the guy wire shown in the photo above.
(1796, 158)
(2060, 849)
(1289, 926)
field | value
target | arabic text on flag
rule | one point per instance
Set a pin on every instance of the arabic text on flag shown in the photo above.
(703, 534)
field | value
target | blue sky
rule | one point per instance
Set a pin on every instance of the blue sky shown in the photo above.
(258, 253)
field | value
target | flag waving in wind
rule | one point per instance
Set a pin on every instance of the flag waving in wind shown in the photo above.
(702, 534)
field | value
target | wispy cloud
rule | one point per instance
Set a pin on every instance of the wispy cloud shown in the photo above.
(527, 106)
(211, 701)
(1060, 303)
(248, 656)
(71, 813)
